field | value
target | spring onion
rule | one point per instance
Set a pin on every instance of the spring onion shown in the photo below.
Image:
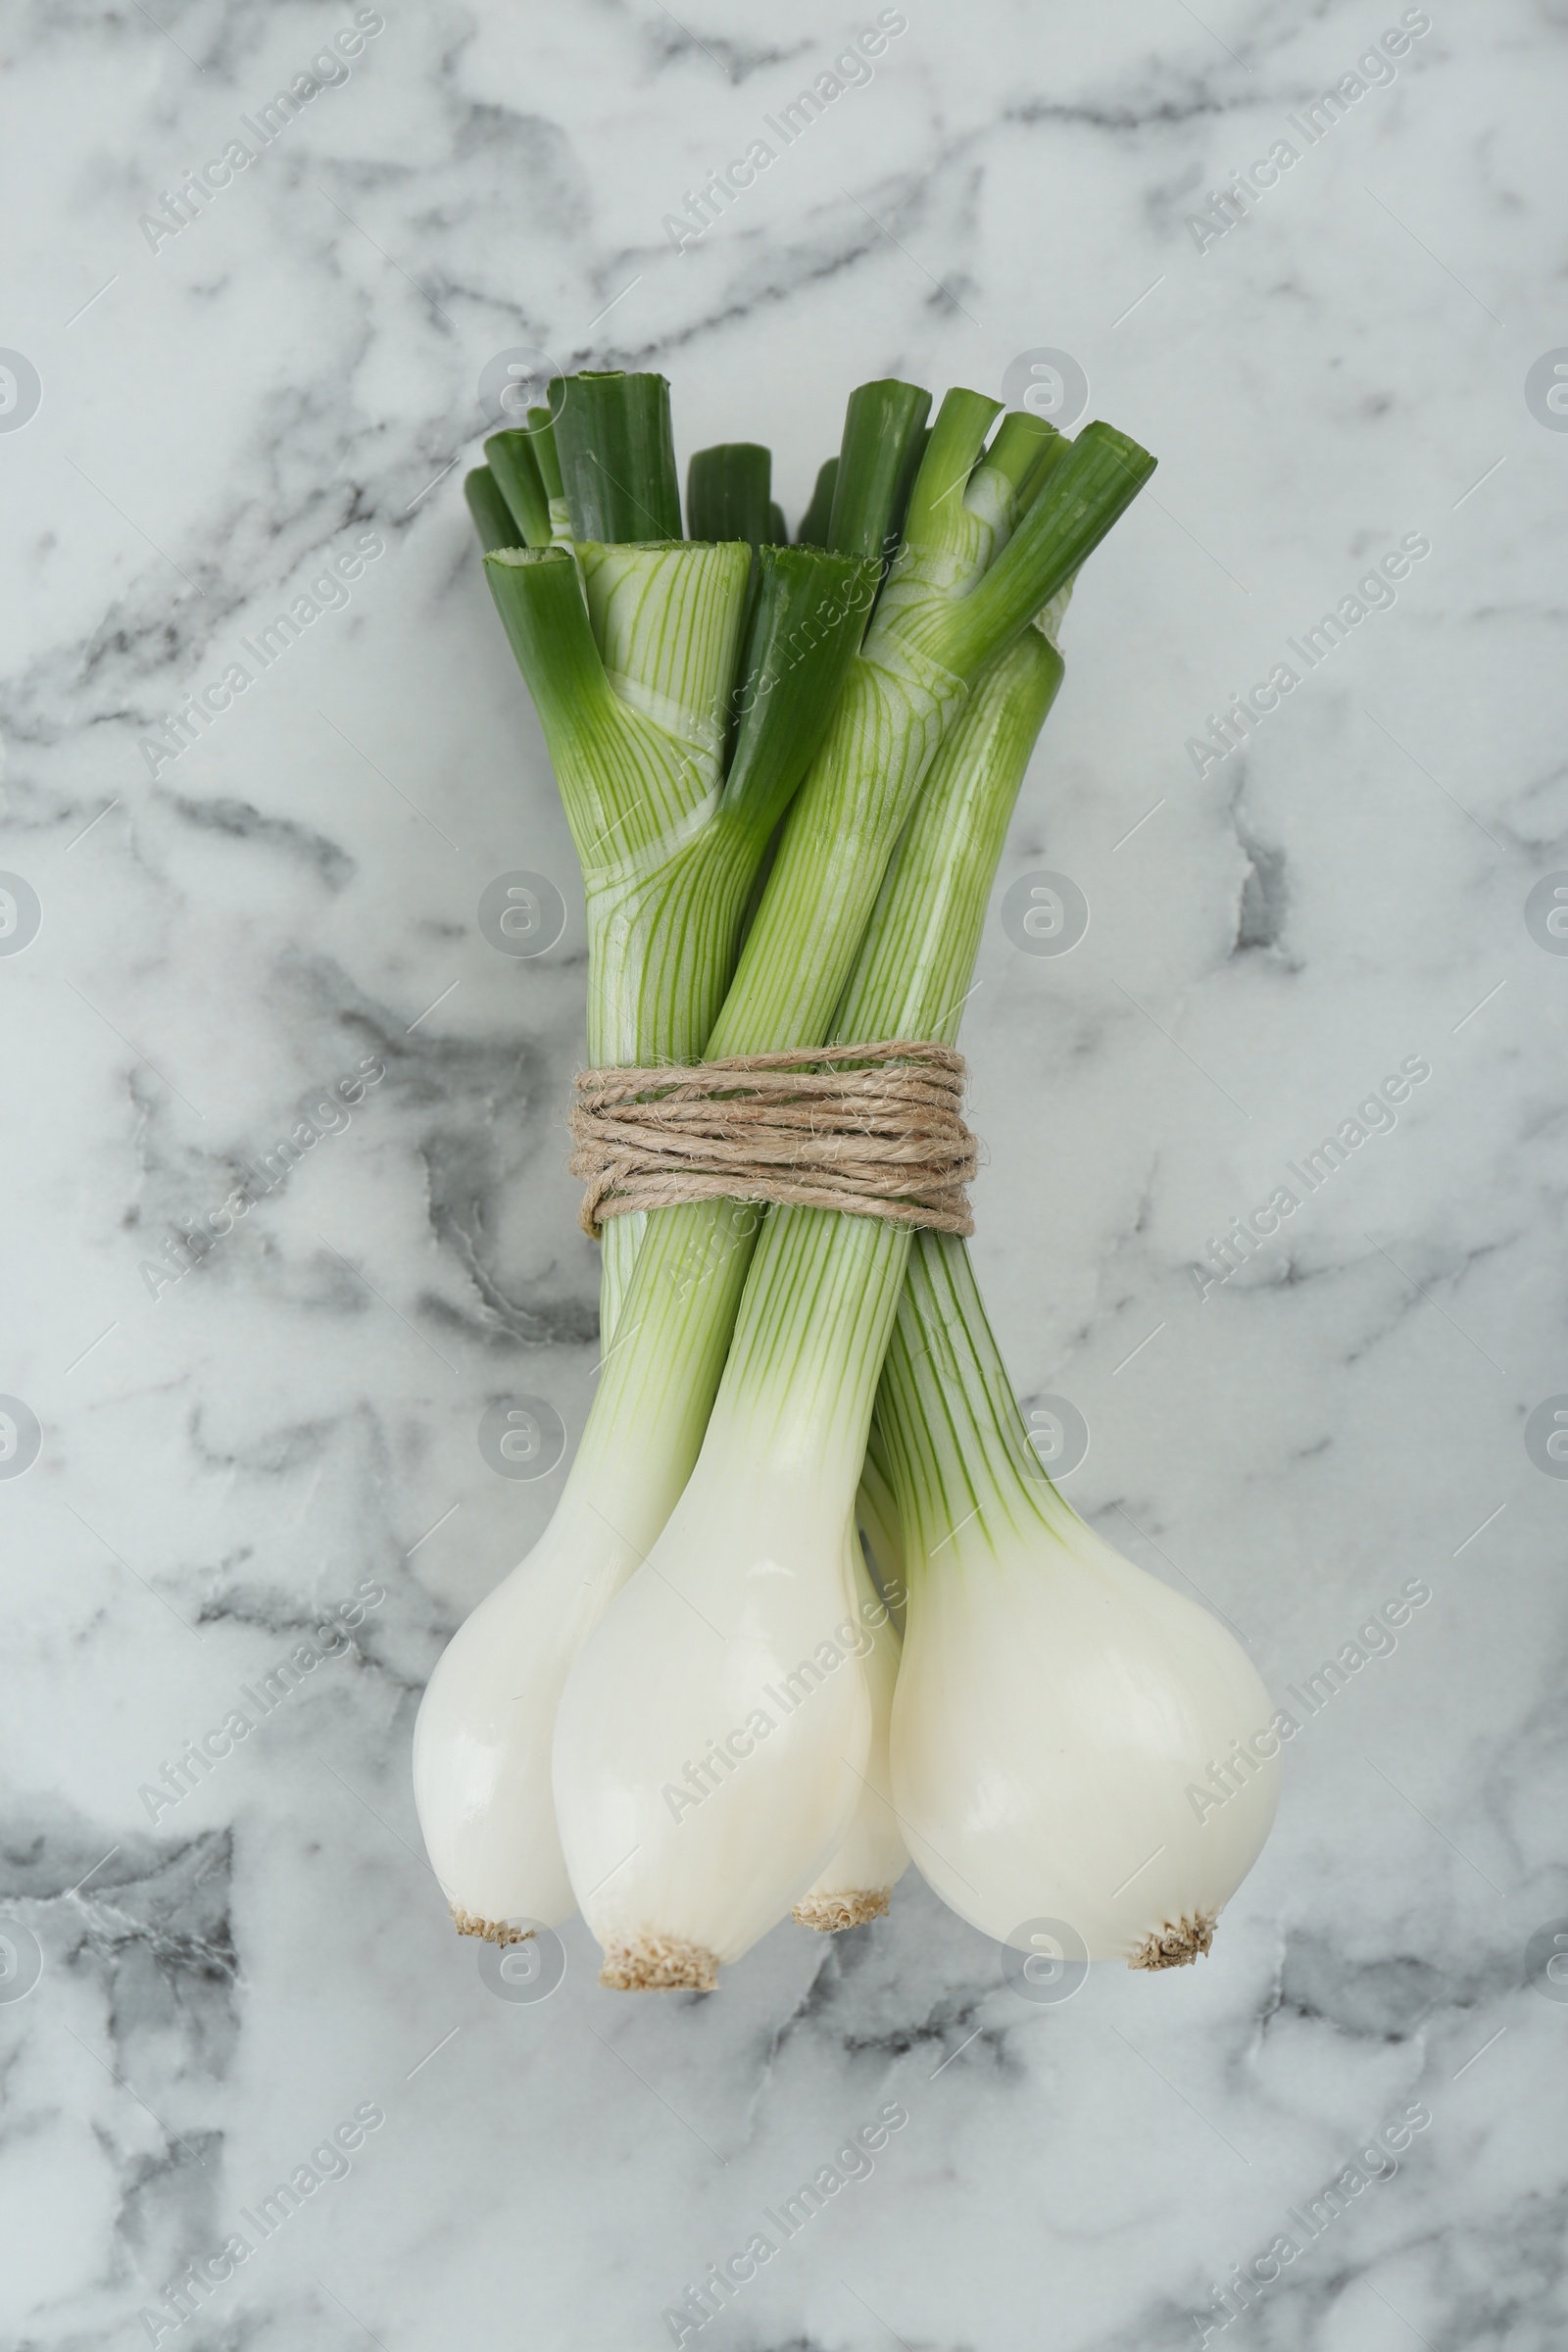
(1055, 1705)
(807, 1605)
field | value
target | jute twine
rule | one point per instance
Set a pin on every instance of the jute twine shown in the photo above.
(885, 1141)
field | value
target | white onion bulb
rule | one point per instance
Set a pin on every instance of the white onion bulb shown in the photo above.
(481, 1743)
(1055, 1709)
(712, 1733)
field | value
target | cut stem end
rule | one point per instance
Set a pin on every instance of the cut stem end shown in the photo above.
(655, 1962)
(829, 1913)
(492, 1930)
(1177, 1946)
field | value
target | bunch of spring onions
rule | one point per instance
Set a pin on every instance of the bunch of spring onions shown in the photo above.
(808, 1606)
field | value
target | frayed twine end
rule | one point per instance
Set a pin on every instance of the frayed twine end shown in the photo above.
(830, 1913)
(1177, 1946)
(654, 1963)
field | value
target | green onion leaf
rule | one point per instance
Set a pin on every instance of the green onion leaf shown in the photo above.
(880, 424)
(1017, 453)
(1094, 483)
(616, 449)
(630, 653)
(492, 517)
(935, 518)
(806, 623)
(542, 434)
(512, 460)
(728, 492)
(820, 513)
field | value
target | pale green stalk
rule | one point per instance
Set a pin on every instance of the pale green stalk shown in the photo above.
(823, 1287)
(876, 1511)
(635, 739)
(948, 1425)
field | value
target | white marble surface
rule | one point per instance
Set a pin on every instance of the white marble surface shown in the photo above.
(297, 892)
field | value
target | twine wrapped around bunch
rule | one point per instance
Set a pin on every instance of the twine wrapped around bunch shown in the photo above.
(887, 1140)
